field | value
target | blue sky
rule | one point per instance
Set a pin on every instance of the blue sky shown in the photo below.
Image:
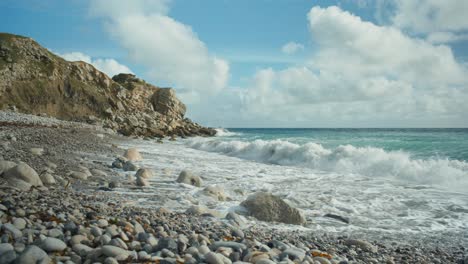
(231, 58)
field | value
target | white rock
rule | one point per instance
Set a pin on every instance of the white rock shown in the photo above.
(115, 252)
(36, 151)
(188, 178)
(78, 175)
(6, 165)
(132, 154)
(47, 178)
(23, 172)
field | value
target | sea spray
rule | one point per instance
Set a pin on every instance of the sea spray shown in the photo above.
(367, 161)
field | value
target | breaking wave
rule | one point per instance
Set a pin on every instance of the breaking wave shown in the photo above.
(222, 132)
(348, 159)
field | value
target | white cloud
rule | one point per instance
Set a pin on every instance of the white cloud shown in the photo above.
(110, 67)
(292, 47)
(431, 15)
(362, 74)
(446, 37)
(170, 50)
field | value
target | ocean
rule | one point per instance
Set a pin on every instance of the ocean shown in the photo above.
(386, 182)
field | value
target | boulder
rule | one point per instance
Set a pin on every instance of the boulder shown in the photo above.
(188, 178)
(216, 192)
(6, 165)
(33, 254)
(267, 207)
(23, 172)
(140, 181)
(144, 173)
(132, 154)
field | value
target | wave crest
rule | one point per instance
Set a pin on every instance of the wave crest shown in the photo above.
(222, 132)
(367, 161)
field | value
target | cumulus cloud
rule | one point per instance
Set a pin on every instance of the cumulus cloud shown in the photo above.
(110, 67)
(170, 50)
(362, 71)
(431, 15)
(292, 47)
(446, 37)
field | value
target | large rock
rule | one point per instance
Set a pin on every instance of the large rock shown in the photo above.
(165, 102)
(6, 165)
(144, 173)
(23, 172)
(188, 178)
(132, 154)
(267, 207)
(142, 182)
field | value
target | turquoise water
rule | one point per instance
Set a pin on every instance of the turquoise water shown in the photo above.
(449, 143)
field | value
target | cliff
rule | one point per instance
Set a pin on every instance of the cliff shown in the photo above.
(34, 80)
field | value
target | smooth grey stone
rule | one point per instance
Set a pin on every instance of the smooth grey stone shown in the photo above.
(32, 255)
(51, 244)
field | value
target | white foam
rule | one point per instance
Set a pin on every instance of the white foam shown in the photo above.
(223, 132)
(367, 161)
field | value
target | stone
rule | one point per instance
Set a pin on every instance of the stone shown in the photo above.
(213, 258)
(364, 245)
(5, 247)
(294, 253)
(19, 184)
(6, 165)
(102, 223)
(32, 255)
(142, 182)
(322, 260)
(188, 178)
(132, 154)
(168, 243)
(19, 223)
(114, 184)
(9, 228)
(267, 207)
(229, 244)
(98, 173)
(144, 173)
(129, 166)
(23, 172)
(8, 257)
(82, 250)
(47, 178)
(78, 175)
(115, 252)
(36, 151)
(51, 244)
(216, 192)
(51, 165)
(110, 260)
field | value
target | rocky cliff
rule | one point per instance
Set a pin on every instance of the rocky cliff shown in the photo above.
(34, 80)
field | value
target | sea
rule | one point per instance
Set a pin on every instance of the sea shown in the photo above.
(400, 184)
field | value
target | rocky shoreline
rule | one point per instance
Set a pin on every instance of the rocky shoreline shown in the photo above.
(74, 216)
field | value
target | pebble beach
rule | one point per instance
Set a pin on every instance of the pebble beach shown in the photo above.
(76, 214)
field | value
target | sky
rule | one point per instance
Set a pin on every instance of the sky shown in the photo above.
(273, 63)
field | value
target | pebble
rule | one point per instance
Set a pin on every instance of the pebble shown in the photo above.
(19, 223)
(32, 255)
(51, 244)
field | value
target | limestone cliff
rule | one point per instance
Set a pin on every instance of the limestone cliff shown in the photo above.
(34, 80)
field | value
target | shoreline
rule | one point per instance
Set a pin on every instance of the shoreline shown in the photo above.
(90, 205)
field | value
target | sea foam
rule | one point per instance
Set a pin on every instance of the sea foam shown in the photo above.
(347, 159)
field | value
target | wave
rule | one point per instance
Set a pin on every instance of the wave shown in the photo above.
(222, 132)
(348, 159)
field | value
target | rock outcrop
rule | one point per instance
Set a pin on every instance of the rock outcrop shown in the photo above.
(33, 80)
